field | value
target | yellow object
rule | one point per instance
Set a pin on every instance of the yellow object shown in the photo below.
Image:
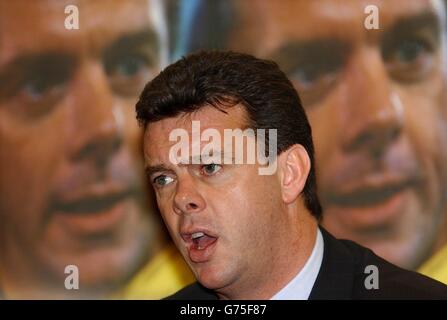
(164, 275)
(436, 266)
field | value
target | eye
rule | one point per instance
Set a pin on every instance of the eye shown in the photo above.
(410, 51)
(162, 181)
(306, 76)
(410, 59)
(312, 83)
(39, 93)
(36, 88)
(314, 78)
(128, 73)
(210, 169)
(130, 66)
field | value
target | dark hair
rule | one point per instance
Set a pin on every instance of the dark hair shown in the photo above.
(219, 78)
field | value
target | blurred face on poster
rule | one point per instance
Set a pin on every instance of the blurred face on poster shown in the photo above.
(70, 187)
(374, 100)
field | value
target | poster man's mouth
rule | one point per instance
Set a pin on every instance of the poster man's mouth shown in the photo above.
(98, 209)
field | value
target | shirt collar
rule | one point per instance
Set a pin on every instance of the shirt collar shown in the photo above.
(301, 286)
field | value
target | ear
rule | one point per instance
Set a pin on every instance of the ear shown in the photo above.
(294, 165)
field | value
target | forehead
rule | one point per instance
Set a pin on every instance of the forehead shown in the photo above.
(27, 26)
(307, 20)
(156, 135)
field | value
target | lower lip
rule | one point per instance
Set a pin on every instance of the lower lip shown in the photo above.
(101, 222)
(381, 214)
(203, 255)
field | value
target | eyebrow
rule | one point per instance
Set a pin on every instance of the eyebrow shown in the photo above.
(50, 64)
(150, 170)
(295, 52)
(324, 50)
(218, 154)
(408, 24)
(146, 37)
(27, 63)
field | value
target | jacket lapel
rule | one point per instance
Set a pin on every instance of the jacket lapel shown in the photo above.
(335, 279)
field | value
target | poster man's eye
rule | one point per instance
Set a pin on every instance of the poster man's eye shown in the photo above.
(409, 51)
(128, 73)
(38, 94)
(410, 59)
(307, 75)
(130, 66)
(36, 88)
(313, 80)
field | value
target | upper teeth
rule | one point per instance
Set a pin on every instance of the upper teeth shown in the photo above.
(197, 235)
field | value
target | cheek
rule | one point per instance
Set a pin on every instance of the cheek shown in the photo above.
(427, 131)
(249, 206)
(172, 221)
(132, 132)
(423, 104)
(324, 130)
(253, 224)
(170, 218)
(29, 158)
(325, 123)
(426, 127)
(130, 161)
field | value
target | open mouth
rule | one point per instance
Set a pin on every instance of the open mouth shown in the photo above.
(201, 240)
(200, 245)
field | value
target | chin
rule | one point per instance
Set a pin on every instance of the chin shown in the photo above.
(213, 278)
(103, 269)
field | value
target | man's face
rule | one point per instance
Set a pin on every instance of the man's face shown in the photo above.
(69, 142)
(239, 211)
(373, 98)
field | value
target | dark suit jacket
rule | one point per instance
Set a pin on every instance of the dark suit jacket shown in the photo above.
(342, 276)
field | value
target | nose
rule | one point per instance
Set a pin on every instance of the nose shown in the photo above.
(374, 116)
(96, 131)
(187, 199)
